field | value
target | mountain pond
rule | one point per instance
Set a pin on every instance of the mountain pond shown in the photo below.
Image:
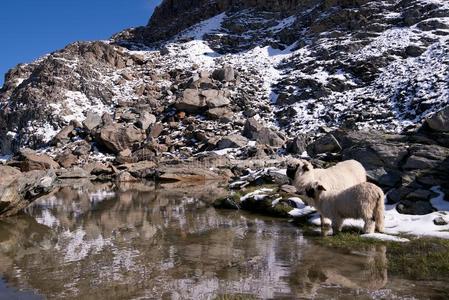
(147, 241)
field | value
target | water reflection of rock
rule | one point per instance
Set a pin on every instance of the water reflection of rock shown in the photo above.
(156, 243)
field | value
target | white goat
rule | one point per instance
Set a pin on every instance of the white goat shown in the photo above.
(362, 201)
(343, 175)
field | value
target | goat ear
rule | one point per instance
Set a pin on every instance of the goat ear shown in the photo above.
(305, 168)
(321, 188)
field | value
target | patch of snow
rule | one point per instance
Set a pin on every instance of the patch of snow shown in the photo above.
(77, 104)
(12, 134)
(100, 195)
(392, 39)
(45, 131)
(287, 22)
(76, 246)
(239, 183)
(384, 237)
(205, 27)
(256, 192)
(47, 219)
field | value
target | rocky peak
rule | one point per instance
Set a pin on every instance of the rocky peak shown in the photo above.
(171, 17)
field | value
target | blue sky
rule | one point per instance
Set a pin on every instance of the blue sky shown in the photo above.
(32, 28)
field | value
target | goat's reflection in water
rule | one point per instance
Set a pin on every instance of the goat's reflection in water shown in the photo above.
(365, 269)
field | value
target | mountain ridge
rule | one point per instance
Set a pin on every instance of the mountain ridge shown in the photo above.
(335, 63)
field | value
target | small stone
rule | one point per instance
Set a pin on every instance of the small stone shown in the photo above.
(440, 221)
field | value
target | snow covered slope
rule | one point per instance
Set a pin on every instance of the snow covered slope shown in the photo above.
(374, 65)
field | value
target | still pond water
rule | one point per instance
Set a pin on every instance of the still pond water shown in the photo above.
(147, 242)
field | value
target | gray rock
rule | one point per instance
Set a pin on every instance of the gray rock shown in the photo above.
(267, 136)
(125, 177)
(419, 195)
(107, 119)
(252, 128)
(146, 120)
(224, 74)
(440, 221)
(215, 98)
(297, 145)
(83, 148)
(73, 173)
(156, 129)
(397, 194)
(191, 101)
(66, 159)
(414, 207)
(440, 120)
(92, 121)
(220, 113)
(63, 136)
(419, 163)
(232, 141)
(255, 131)
(289, 189)
(324, 144)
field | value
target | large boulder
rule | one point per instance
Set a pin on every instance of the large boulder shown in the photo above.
(193, 100)
(252, 128)
(215, 98)
(8, 174)
(232, 141)
(146, 120)
(297, 145)
(63, 136)
(18, 190)
(92, 121)
(255, 131)
(440, 120)
(324, 144)
(191, 174)
(223, 114)
(29, 160)
(119, 137)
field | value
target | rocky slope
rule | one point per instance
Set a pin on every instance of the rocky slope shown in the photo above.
(249, 79)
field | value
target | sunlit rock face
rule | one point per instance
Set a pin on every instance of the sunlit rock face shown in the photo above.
(299, 65)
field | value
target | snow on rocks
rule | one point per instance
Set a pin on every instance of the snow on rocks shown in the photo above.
(301, 208)
(257, 194)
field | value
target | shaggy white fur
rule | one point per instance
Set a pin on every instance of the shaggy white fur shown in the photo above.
(337, 178)
(362, 201)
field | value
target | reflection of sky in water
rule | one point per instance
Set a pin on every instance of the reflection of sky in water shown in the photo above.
(166, 244)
